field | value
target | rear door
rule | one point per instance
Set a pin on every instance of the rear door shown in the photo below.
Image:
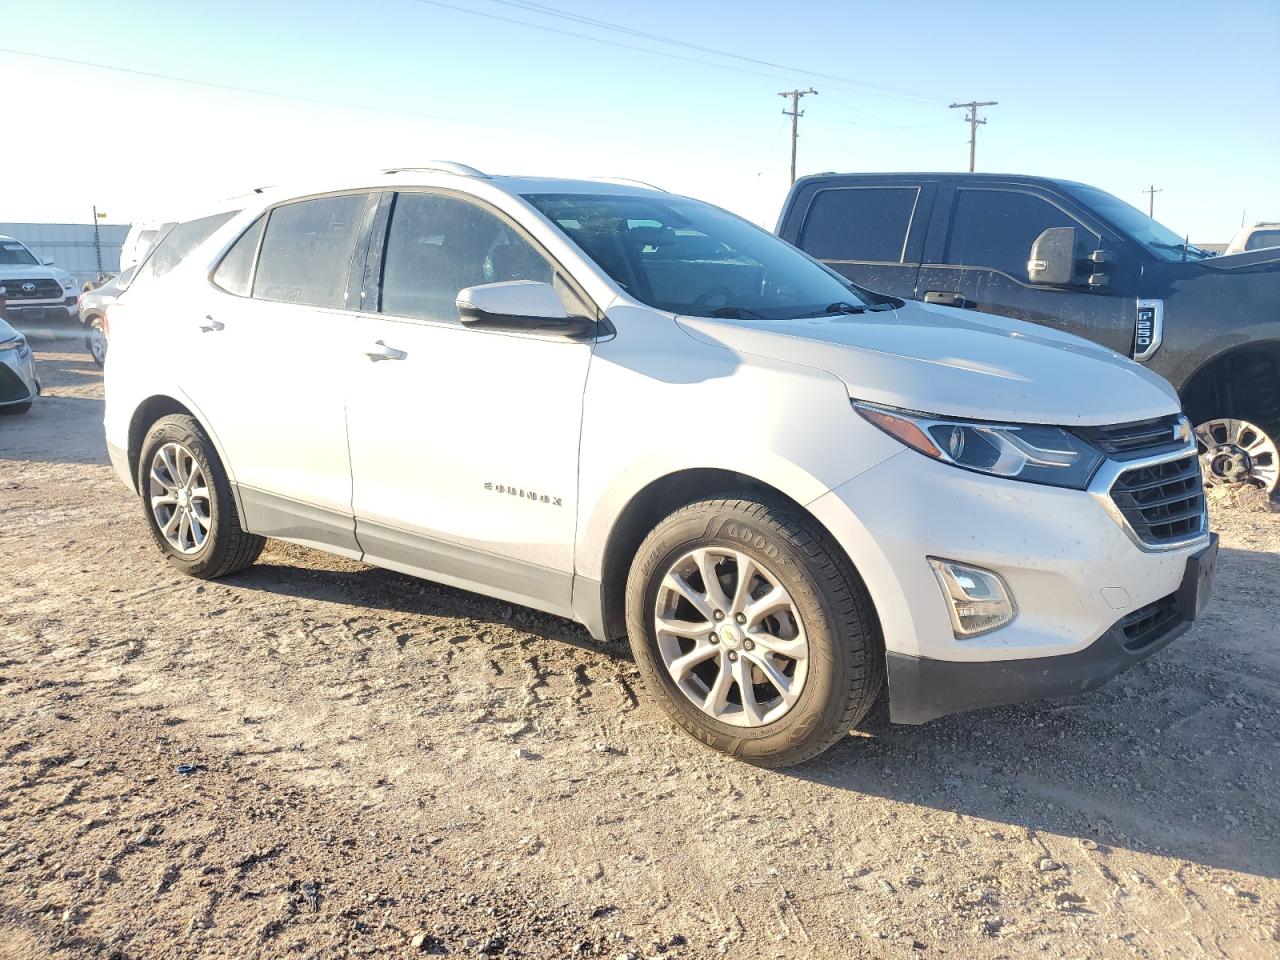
(864, 231)
(274, 342)
(977, 252)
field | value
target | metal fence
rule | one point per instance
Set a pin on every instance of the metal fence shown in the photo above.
(71, 245)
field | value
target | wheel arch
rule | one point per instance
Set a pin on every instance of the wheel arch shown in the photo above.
(1241, 381)
(659, 498)
(163, 405)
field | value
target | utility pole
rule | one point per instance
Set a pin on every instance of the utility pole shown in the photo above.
(973, 121)
(795, 113)
(97, 240)
(1151, 199)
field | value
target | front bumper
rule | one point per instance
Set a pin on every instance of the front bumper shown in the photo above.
(19, 382)
(1073, 569)
(21, 313)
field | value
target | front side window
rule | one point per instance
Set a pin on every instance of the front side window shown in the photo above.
(859, 223)
(174, 246)
(691, 258)
(14, 254)
(996, 228)
(307, 250)
(438, 245)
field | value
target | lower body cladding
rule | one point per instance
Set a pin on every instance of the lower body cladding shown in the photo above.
(1086, 601)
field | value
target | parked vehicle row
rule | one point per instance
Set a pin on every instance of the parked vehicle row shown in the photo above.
(1075, 258)
(641, 412)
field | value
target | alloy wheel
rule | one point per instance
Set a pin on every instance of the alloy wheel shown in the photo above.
(1236, 452)
(180, 498)
(97, 343)
(731, 637)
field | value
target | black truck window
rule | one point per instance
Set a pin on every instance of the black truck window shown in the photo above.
(859, 223)
(995, 228)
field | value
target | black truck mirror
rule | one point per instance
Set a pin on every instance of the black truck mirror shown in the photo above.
(1053, 257)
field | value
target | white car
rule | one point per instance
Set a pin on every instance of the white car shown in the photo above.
(19, 382)
(37, 291)
(642, 412)
(1258, 237)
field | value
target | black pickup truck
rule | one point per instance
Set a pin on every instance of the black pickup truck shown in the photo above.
(1076, 258)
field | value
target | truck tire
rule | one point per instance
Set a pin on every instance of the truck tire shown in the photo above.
(1238, 453)
(752, 630)
(187, 500)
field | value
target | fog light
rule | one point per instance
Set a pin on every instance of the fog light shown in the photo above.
(977, 599)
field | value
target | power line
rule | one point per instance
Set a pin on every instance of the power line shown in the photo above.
(891, 93)
(1151, 201)
(795, 113)
(272, 93)
(973, 121)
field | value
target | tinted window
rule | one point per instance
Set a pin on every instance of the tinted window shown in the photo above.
(181, 239)
(235, 273)
(995, 228)
(860, 223)
(1262, 239)
(307, 249)
(13, 254)
(692, 258)
(438, 245)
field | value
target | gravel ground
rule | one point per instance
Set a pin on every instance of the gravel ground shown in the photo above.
(383, 766)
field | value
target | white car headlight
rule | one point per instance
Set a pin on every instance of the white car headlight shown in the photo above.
(68, 283)
(1031, 452)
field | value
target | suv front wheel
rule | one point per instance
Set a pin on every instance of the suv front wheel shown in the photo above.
(188, 504)
(752, 630)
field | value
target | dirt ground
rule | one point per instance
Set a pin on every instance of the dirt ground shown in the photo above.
(387, 767)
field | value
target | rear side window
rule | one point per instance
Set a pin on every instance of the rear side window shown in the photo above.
(235, 273)
(995, 228)
(437, 246)
(177, 243)
(859, 223)
(1262, 239)
(307, 249)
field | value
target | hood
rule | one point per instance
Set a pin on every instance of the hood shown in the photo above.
(31, 271)
(957, 363)
(1268, 257)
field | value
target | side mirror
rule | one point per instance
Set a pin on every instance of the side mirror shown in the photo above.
(518, 305)
(1053, 257)
(47, 261)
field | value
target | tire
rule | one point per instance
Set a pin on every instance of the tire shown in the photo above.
(845, 654)
(226, 547)
(95, 341)
(15, 409)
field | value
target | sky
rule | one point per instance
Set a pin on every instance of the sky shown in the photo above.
(1177, 95)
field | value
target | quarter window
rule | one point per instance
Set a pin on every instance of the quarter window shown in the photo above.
(859, 223)
(178, 242)
(996, 228)
(235, 273)
(437, 246)
(307, 250)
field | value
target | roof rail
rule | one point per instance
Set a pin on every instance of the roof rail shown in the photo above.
(642, 183)
(440, 166)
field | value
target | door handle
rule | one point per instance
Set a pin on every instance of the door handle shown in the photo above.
(210, 325)
(945, 299)
(383, 352)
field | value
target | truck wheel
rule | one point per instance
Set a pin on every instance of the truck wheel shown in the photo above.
(95, 340)
(1236, 452)
(752, 630)
(188, 504)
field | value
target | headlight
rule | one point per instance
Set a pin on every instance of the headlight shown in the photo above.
(68, 283)
(17, 343)
(1048, 455)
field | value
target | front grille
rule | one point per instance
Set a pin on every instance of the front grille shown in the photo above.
(12, 387)
(1164, 503)
(41, 290)
(1148, 624)
(1142, 438)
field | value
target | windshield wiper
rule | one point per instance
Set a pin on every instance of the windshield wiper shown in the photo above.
(843, 306)
(1183, 248)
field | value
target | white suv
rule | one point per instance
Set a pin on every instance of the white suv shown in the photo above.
(641, 412)
(35, 290)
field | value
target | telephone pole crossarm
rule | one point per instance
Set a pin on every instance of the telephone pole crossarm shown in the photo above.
(795, 113)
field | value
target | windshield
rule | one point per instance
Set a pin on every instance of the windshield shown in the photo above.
(14, 254)
(1126, 218)
(694, 259)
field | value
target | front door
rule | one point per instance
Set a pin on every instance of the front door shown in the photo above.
(464, 443)
(977, 258)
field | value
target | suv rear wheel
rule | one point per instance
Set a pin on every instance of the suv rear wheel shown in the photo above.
(752, 630)
(188, 504)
